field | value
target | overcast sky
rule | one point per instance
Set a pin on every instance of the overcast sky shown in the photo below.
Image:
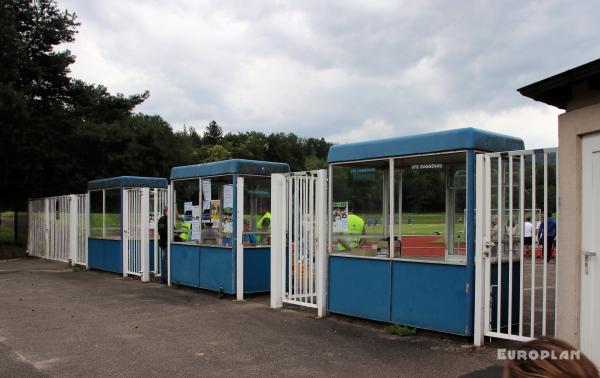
(343, 70)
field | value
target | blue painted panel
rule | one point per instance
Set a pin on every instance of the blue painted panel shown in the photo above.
(448, 140)
(257, 270)
(430, 296)
(360, 287)
(232, 166)
(217, 269)
(185, 260)
(105, 254)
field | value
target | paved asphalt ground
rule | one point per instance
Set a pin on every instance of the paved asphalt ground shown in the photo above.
(58, 322)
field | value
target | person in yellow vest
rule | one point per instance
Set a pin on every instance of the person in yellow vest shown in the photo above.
(356, 226)
(264, 225)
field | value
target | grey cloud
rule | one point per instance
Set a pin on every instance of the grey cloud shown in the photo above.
(365, 61)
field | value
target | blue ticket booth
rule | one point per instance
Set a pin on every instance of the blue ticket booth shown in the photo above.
(106, 219)
(402, 227)
(220, 225)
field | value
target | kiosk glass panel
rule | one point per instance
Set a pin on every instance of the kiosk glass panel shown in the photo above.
(96, 214)
(360, 209)
(112, 215)
(217, 211)
(430, 211)
(257, 211)
(186, 199)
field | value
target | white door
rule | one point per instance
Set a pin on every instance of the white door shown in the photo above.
(590, 247)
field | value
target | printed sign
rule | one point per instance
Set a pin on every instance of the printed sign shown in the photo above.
(206, 190)
(206, 211)
(228, 198)
(215, 212)
(195, 230)
(340, 217)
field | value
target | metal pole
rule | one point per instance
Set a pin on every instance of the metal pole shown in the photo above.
(277, 237)
(144, 234)
(478, 329)
(126, 216)
(239, 217)
(322, 232)
(73, 229)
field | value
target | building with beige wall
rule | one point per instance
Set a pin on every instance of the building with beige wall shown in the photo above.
(577, 91)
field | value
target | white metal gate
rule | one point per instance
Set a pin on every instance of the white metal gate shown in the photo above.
(58, 228)
(37, 233)
(299, 239)
(135, 233)
(58, 209)
(81, 219)
(142, 207)
(515, 295)
(158, 200)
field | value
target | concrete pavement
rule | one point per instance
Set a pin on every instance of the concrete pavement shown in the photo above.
(58, 322)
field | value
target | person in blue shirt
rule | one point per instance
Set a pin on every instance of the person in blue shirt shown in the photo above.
(550, 236)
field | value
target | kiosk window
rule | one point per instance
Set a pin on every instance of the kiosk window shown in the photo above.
(257, 211)
(105, 213)
(186, 212)
(96, 214)
(112, 215)
(360, 209)
(430, 214)
(217, 211)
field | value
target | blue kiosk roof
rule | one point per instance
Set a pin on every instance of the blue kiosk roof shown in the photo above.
(128, 181)
(450, 140)
(233, 166)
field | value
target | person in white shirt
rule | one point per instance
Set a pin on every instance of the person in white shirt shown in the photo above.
(527, 235)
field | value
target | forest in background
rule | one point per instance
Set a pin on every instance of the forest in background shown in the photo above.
(58, 132)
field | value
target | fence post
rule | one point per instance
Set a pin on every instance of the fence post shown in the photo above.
(277, 237)
(478, 326)
(125, 227)
(46, 227)
(144, 234)
(73, 229)
(322, 210)
(170, 224)
(29, 227)
(239, 216)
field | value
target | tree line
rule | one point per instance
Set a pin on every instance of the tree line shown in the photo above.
(58, 132)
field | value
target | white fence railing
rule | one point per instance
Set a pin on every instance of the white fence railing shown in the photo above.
(58, 228)
(516, 240)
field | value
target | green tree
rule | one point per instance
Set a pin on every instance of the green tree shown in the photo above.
(56, 132)
(312, 162)
(213, 134)
(217, 153)
(34, 83)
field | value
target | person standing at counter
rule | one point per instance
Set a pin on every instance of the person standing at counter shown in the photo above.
(162, 243)
(264, 226)
(356, 226)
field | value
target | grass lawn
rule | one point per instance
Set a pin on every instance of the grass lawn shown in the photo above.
(420, 224)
